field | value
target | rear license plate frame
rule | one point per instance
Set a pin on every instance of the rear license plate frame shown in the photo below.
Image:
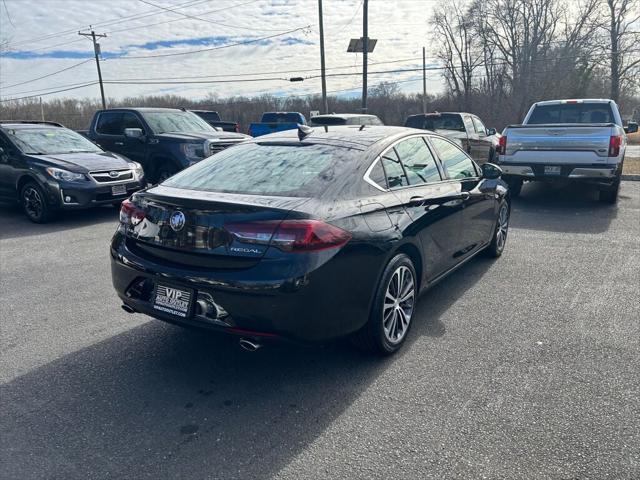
(552, 170)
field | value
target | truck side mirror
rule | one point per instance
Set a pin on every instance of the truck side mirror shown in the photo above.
(491, 131)
(134, 133)
(632, 127)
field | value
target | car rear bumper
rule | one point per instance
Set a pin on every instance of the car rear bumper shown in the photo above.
(331, 301)
(593, 173)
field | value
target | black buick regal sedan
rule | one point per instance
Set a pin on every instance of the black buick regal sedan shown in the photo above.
(309, 235)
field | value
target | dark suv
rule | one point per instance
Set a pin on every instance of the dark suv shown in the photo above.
(163, 140)
(48, 167)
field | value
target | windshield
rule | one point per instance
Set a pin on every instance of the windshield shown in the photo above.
(445, 121)
(571, 113)
(328, 121)
(48, 141)
(264, 169)
(164, 122)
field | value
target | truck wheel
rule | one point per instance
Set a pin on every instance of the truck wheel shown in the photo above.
(165, 171)
(34, 203)
(393, 306)
(515, 186)
(610, 194)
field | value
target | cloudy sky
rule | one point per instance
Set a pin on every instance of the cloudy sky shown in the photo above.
(246, 47)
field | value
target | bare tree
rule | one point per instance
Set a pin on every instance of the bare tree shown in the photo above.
(453, 30)
(624, 61)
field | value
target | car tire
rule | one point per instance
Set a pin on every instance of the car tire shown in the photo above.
(610, 194)
(390, 319)
(499, 235)
(34, 203)
(165, 171)
(515, 186)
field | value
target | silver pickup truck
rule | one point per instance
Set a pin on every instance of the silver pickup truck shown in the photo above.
(567, 140)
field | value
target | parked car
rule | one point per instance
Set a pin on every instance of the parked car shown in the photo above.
(163, 140)
(213, 119)
(272, 122)
(567, 140)
(309, 235)
(48, 168)
(344, 119)
(477, 140)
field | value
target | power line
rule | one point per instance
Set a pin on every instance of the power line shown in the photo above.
(190, 52)
(49, 75)
(49, 93)
(6, 9)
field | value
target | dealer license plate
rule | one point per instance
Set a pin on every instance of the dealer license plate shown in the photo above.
(175, 301)
(118, 190)
(549, 170)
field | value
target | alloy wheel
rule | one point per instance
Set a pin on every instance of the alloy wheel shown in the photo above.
(503, 227)
(33, 203)
(399, 301)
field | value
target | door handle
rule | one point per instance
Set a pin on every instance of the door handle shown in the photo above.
(417, 201)
(119, 143)
(459, 196)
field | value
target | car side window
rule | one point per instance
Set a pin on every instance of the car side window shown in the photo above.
(376, 175)
(418, 161)
(468, 123)
(456, 163)
(129, 120)
(479, 126)
(393, 170)
(110, 123)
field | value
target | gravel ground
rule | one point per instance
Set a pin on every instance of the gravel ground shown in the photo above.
(524, 367)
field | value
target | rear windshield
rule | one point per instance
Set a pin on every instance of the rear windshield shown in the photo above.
(328, 121)
(444, 121)
(275, 117)
(572, 113)
(267, 169)
(209, 116)
(49, 141)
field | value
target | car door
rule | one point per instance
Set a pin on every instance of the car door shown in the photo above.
(478, 217)
(434, 207)
(483, 143)
(109, 132)
(134, 148)
(8, 168)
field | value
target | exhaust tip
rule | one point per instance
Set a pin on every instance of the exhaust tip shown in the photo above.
(127, 308)
(249, 345)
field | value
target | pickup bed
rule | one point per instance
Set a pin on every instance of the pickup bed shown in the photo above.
(566, 140)
(272, 122)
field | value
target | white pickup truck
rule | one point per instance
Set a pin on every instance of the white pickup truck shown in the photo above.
(567, 140)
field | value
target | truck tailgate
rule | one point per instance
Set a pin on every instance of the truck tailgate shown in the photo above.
(542, 141)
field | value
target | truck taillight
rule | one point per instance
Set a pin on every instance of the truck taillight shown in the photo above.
(290, 235)
(502, 145)
(615, 141)
(130, 213)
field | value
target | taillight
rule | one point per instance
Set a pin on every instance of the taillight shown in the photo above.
(615, 141)
(130, 213)
(291, 235)
(502, 145)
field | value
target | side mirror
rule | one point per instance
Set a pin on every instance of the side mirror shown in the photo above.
(134, 133)
(491, 131)
(491, 171)
(632, 127)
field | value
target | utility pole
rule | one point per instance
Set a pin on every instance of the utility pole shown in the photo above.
(96, 51)
(325, 106)
(41, 110)
(365, 50)
(424, 80)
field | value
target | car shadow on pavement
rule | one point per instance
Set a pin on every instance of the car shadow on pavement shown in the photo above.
(569, 208)
(158, 401)
(16, 224)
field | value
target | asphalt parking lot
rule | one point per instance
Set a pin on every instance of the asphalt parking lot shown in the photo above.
(525, 367)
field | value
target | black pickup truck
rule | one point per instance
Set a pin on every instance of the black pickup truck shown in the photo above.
(213, 119)
(163, 140)
(480, 142)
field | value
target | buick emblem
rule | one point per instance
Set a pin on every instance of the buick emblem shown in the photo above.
(114, 174)
(177, 221)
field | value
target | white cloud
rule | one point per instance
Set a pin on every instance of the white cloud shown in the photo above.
(401, 29)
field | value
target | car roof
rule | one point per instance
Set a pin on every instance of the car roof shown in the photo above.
(575, 100)
(142, 109)
(353, 135)
(26, 124)
(428, 114)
